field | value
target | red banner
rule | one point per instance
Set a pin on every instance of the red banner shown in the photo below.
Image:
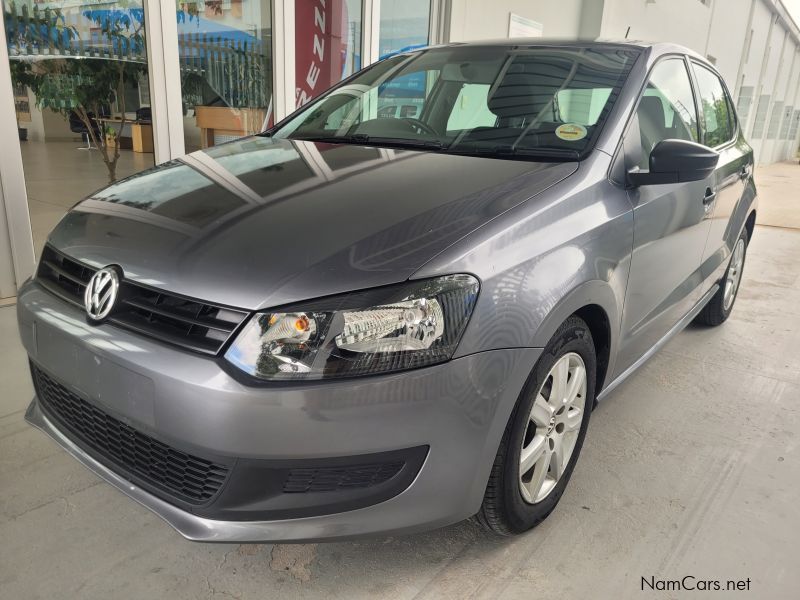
(320, 46)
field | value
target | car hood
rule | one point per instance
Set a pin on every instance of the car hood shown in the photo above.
(262, 222)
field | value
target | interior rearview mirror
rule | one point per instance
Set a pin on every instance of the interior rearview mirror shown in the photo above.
(676, 161)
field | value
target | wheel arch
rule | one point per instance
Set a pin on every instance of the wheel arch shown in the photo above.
(594, 302)
(750, 224)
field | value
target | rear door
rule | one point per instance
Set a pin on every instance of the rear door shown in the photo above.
(671, 223)
(719, 130)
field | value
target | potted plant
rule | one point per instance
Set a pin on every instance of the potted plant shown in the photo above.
(111, 138)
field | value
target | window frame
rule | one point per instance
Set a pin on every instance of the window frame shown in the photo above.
(732, 116)
(690, 76)
(637, 54)
(622, 152)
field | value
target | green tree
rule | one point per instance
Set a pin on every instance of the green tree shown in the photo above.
(86, 87)
(22, 77)
(86, 83)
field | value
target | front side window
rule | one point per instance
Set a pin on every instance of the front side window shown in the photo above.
(717, 116)
(667, 109)
(494, 101)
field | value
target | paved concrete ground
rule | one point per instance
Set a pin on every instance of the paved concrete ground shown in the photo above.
(691, 468)
(780, 197)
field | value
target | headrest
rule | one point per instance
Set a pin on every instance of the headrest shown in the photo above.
(527, 87)
(652, 109)
(513, 96)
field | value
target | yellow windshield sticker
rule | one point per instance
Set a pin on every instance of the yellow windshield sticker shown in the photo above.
(571, 132)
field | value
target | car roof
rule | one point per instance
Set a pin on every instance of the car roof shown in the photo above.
(543, 41)
(655, 48)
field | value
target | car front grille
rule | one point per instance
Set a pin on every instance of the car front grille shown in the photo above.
(330, 479)
(191, 324)
(174, 473)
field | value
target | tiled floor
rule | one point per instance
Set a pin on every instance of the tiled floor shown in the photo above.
(692, 467)
(57, 175)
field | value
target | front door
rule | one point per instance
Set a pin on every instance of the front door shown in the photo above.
(671, 223)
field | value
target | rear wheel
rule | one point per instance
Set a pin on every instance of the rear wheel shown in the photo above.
(720, 306)
(544, 435)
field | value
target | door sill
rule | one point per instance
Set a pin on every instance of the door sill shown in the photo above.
(677, 328)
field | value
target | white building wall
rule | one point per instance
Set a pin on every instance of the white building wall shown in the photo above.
(681, 21)
(772, 143)
(748, 91)
(482, 20)
(728, 35)
(765, 90)
(791, 126)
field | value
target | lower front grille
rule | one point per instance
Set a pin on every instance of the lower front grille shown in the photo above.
(330, 479)
(176, 474)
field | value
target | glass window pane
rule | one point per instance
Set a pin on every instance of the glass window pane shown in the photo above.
(667, 109)
(582, 106)
(404, 25)
(471, 108)
(225, 53)
(327, 44)
(404, 97)
(718, 125)
(79, 72)
(490, 100)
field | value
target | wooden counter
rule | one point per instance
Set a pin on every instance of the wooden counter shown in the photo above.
(142, 134)
(221, 120)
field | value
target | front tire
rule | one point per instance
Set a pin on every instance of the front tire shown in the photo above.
(720, 306)
(544, 435)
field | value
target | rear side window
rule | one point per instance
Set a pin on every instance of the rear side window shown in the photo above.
(666, 110)
(717, 117)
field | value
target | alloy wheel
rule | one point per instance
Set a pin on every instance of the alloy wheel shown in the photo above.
(552, 429)
(734, 275)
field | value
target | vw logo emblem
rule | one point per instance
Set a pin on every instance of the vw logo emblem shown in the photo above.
(101, 293)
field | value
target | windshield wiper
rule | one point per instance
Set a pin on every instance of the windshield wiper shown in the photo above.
(515, 152)
(369, 140)
(406, 143)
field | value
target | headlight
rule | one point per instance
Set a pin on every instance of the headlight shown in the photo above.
(378, 331)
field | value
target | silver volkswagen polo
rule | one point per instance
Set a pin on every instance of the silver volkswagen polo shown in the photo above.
(397, 308)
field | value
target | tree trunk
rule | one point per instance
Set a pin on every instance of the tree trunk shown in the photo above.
(109, 160)
(112, 164)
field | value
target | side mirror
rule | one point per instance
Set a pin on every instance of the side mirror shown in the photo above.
(676, 161)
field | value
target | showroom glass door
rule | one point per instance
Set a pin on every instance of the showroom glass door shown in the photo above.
(404, 25)
(225, 50)
(80, 82)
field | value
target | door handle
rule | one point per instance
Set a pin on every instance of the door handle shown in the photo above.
(709, 197)
(744, 172)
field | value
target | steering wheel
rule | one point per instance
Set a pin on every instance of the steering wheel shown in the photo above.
(421, 125)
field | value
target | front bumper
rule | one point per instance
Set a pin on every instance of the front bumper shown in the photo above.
(457, 410)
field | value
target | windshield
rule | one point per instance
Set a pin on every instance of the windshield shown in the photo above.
(504, 102)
